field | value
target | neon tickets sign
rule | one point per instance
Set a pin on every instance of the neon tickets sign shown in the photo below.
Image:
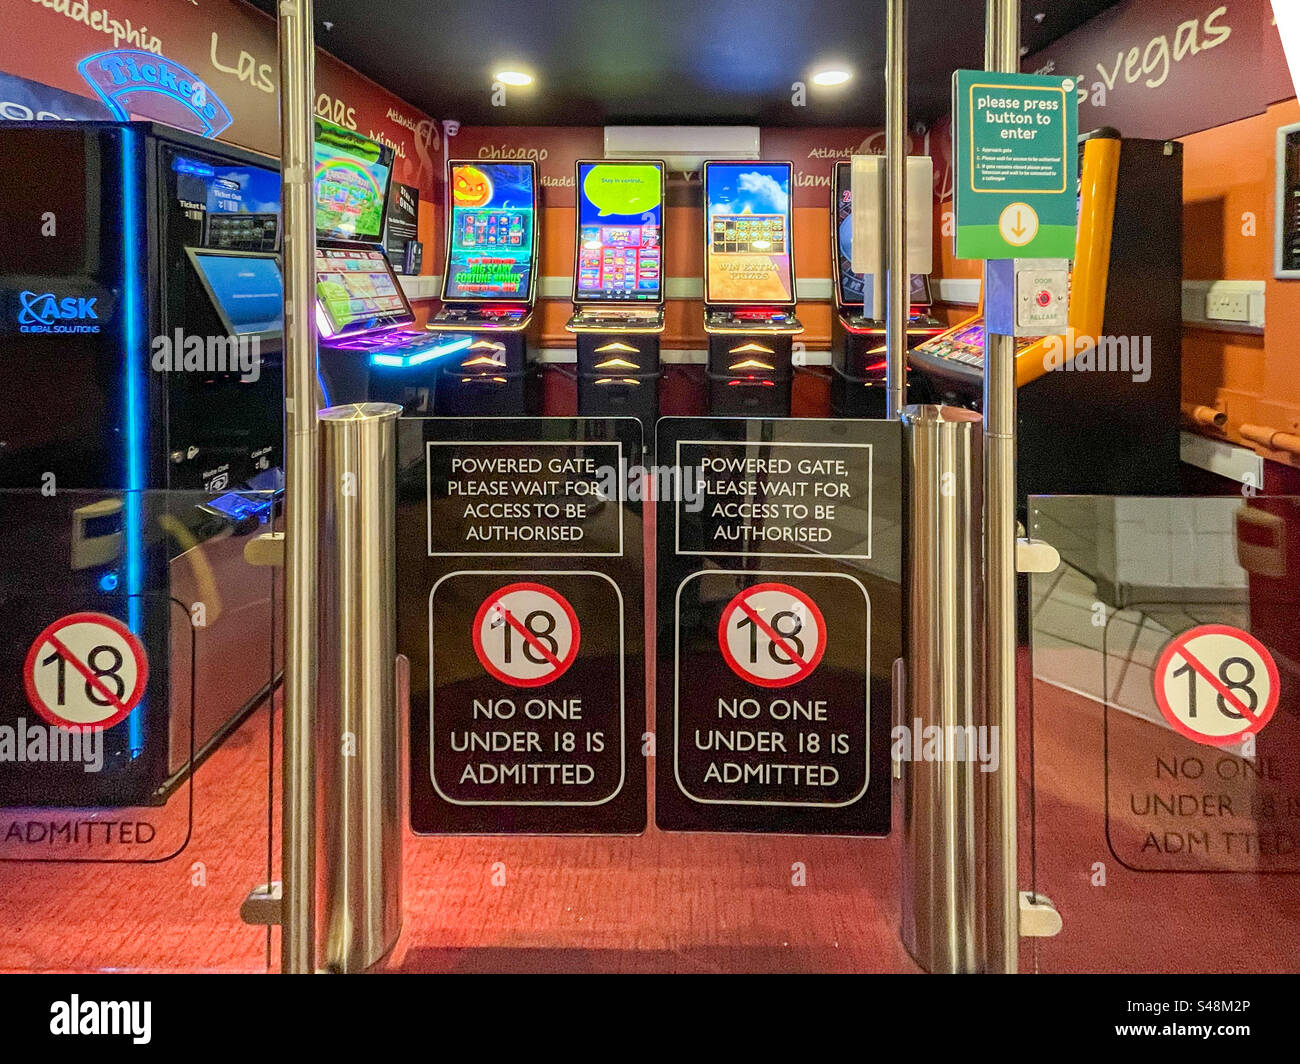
(136, 84)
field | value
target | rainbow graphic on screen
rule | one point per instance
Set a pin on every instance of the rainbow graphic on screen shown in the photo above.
(351, 182)
(490, 245)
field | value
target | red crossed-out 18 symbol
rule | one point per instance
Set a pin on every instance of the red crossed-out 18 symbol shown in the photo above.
(1216, 684)
(526, 634)
(86, 670)
(772, 635)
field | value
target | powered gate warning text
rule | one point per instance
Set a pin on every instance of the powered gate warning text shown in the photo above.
(523, 499)
(793, 499)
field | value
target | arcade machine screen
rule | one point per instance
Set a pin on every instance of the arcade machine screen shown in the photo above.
(620, 233)
(491, 233)
(748, 222)
(853, 286)
(351, 182)
(356, 291)
(246, 290)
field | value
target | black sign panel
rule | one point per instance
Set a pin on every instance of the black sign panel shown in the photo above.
(779, 599)
(402, 225)
(520, 598)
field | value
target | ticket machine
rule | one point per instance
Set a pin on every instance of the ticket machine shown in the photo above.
(749, 286)
(1098, 409)
(618, 289)
(858, 337)
(142, 436)
(489, 285)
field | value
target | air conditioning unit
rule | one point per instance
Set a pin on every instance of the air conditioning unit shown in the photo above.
(682, 148)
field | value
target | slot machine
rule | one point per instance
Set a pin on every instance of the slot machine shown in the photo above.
(857, 338)
(1103, 417)
(489, 285)
(618, 290)
(369, 345)
(749, 286)
(141, 354)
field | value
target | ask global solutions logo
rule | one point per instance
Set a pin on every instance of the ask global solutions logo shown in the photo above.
(44, 312)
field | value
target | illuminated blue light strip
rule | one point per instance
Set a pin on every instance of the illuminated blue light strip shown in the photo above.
(134, 396)
(421, 357)
(187, 166)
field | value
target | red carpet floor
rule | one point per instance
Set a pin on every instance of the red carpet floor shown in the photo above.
(670, 903)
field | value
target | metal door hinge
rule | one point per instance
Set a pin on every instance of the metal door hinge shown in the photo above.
(266, 549)
(1036, 556)
(262, 906)
(1038, 916)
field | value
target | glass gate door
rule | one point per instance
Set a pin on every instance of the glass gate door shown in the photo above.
(138, 770)
(1164, 734)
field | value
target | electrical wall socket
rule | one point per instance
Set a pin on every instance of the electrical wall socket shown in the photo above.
(1227, 306)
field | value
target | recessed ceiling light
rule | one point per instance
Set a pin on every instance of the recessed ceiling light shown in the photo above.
(831, 77)
(513, 77)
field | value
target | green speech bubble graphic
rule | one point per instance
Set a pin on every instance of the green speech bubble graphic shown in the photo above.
(615, 188)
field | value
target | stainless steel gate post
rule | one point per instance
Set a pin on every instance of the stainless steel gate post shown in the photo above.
(297, 57)
(898, 291)
(1001, 916)
(359, 762)
(941, 797)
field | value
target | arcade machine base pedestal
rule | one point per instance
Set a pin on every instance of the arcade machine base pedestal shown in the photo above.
(491, 373)
(618, 362)
(858, 360)
(751, 366)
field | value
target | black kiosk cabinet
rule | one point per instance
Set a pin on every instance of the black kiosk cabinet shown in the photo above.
(1098, 409)
(749, 286)
(857, 338)
(141, 360)
(489, 286)
(369, 349)
(618, 289)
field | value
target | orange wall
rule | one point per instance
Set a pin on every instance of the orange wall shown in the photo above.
(1228, 216)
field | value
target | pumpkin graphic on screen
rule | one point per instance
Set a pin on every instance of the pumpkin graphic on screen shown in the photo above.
(470, 187)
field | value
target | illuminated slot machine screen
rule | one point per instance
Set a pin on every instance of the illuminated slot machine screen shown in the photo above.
(620, 232)
(352, 175)
(356, 291)
(853, 286)
(491, 231)
(749, 231)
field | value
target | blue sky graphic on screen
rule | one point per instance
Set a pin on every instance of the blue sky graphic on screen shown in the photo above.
(620, 231)
(749, 233)
(228, 189)
(248, 289)
(491, 252)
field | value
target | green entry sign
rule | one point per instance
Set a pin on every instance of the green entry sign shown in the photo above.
(1016, 163)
